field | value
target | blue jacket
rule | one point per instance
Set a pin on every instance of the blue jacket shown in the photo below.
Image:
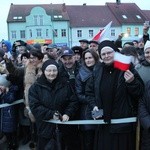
(8, 120)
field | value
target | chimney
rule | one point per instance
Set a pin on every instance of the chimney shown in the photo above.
(118, 2)
(64, 7)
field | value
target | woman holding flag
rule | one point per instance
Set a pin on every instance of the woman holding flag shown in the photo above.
(116, 90)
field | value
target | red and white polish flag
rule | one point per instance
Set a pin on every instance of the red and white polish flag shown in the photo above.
(122, 62)
(103, 34)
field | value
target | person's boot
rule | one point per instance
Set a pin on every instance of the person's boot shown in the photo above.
(26, 135)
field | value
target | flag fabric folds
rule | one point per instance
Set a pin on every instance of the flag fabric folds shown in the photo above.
(103, 33)
(121, 61)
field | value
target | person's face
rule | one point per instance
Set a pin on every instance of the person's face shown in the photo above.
(21, 49)
(135, 44)
(24, 60)
(141, 44)
(4, 47)
(68, 61)
(147, 55)
(52, 52)
(94, 46)
(34, 60)
(77, 57)
(83, 45)
(89, 59)
(51, 72)
(107, 55)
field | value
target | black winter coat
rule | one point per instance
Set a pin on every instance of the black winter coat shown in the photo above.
(46, 98)
(126, 95)
(144, 116)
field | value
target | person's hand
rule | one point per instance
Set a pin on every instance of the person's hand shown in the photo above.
(65, 117)
(95, 108)
(5, 57)
(129, 76)
(56, 116)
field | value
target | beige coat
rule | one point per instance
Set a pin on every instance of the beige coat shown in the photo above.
(30, 77)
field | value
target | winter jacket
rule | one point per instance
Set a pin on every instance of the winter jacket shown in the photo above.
(8, 120)
(81, 79)
(126, 97)
(144, 71)
(46, 98)
(144, 117)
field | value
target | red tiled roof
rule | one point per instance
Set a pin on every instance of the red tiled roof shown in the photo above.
(128, 9)
(90, 16)
(147, 14)
(85, 15)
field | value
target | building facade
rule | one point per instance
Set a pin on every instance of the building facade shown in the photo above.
(66, 25)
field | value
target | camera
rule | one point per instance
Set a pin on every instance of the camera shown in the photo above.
(97, 114)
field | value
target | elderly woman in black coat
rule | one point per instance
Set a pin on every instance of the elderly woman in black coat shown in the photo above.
(115, 92)
(50, 93)
(144, 116)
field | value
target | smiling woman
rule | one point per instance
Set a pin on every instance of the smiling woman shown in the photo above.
(50, 69)
(48, 96)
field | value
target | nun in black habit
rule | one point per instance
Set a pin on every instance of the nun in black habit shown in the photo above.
(117, 93)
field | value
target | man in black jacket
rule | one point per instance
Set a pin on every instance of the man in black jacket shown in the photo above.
(69, 69)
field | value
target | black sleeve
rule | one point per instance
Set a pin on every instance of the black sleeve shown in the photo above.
(90, 92)
(144, 108)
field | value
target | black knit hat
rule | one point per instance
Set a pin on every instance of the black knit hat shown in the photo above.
(49, 62)
(107, 43)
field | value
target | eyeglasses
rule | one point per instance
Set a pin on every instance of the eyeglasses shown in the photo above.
(108, 53)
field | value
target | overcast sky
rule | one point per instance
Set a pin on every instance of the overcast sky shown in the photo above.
(5, 5)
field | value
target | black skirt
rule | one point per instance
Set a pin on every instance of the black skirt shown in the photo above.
(104, 140)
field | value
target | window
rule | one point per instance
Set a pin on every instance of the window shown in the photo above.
(90, 33)
(138, 16)
(35, 20)
(63, 32)
(13, 34)
(136, 31)
(22, 34)
(129, 31)
(112, 32)
(55, 33)
(41, 20)
(39, 33)
(124, 16)
(79, 33)
(30, 32)
(47, 32)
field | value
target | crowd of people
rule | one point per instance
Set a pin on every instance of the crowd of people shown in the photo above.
(77, 83)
